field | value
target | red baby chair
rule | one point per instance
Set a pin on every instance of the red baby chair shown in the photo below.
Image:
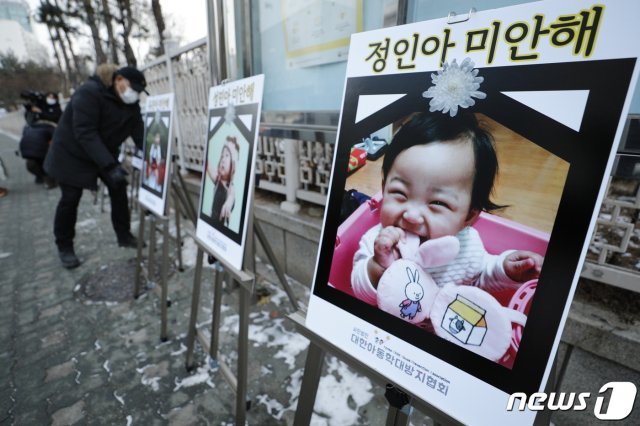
(498, 234)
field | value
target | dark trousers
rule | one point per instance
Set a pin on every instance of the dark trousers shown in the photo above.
(64, 225)
(35, 167)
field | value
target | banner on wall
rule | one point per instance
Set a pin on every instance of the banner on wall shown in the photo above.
(228, 174)
(454, 279)
(309, 38)
(155, 169)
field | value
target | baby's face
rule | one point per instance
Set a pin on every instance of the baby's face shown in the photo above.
(428, 190)
(224, 166)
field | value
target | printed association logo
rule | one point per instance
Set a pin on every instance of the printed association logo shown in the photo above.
(619, 406)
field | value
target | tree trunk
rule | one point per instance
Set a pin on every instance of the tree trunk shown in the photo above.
(76, 64)
(65, 56)
(127, 24)
(108, 21)
(58, 61)
(157, 15)
(95, 33)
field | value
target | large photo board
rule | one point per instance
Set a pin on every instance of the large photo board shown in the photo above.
(228, 173)
(155, 172)
(455, 277)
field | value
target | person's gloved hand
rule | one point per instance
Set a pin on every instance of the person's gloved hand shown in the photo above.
(116, 176)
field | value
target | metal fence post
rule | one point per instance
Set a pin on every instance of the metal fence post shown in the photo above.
(291, 167)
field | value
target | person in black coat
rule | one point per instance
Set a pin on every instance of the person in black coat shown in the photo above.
(37, 136)
(50, 109)
(101, 114)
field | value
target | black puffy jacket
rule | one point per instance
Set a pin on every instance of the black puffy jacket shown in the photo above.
(89, 134)
(35, 140)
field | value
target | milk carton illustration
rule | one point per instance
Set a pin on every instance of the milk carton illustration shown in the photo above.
(465, 321)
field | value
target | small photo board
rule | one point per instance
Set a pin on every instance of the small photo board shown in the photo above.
(228, 175)
(155, 170)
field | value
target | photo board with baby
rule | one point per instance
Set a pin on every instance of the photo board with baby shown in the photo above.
(228, 169)
(155, 171)
(454, 275)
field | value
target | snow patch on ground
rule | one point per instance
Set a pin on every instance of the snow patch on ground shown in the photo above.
(202, 375)
(271, 332)
(275, 407)
(190, 253)
(335, 391)
(152, 382)
(180, 351)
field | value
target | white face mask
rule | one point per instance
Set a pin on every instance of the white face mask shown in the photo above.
(51, 101)
(130, 96)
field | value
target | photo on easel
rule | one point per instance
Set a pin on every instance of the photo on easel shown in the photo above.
(227, 176)
(156, 151)
(453, 272)
(462, 200)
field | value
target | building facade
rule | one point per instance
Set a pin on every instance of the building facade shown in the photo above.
(16, 33)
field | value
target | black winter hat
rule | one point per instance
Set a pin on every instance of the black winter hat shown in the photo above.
(135, 77)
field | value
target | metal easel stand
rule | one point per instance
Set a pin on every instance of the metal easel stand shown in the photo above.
(181, 194)
(163, 222)
(262, 238)
(99, 195)
(134, 189)
(149, 273)
(400, 401)
(246, 280)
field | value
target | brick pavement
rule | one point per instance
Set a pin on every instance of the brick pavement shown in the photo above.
(67, 361)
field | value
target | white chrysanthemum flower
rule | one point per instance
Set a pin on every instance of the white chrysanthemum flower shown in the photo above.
(230, 113)
(454, 86)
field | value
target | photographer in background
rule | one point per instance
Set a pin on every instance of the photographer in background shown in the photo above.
(101, 114)
(35, 101)
(37, 135)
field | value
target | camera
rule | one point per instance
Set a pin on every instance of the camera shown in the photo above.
(34, 97)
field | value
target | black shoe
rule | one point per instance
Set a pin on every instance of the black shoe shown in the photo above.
(68, 258)
(39, 179)
(128, 240)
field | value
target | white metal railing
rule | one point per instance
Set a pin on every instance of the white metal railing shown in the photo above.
(614, 253)
(295, 151)
(292, 159)
(185, 72)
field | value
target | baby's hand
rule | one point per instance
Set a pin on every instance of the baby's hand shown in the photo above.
(225, 211)
(522, 266)
(385, 246)
(385, 251)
